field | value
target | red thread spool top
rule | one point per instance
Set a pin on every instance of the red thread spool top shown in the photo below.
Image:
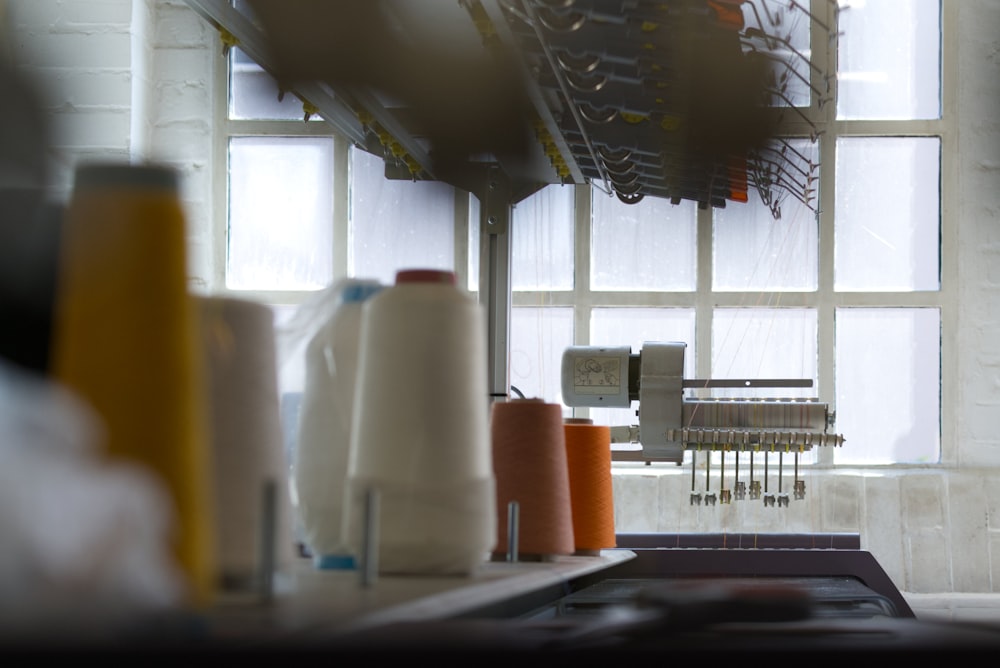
(425, 276)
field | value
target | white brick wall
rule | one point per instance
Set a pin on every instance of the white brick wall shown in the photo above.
(932, 529)
(126, 80)
(80, 54)
(181, 118)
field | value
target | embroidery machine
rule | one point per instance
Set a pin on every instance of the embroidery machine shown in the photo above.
(670, 424)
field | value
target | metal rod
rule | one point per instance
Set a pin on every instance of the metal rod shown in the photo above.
(781, 468)
(266, 545)
(694, 460)
(765, 472)
(513, 518)
(722, 470)
(370, 540)
(708, 469)
(746, 382)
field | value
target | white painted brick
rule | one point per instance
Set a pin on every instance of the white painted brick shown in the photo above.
(105, 128)
(928, 559)
(981, 453)
(181, 101)
(24, 13)
(636, 507)
(759, 518)
(968, 524)
(841, 502)
(69, 157)
(676, 515)
(47, 13)
(994, 560)
(188, 140)
(185, 64)
(199, 218)
(196, 186)
(802, 515)
(101, 12)
(79, 87)
(923, 501)
(59, 13)
(881, 526)
(198, 247)
(82, 50)
(178, 26)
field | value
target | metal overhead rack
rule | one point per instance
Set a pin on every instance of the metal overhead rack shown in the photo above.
(677, 99)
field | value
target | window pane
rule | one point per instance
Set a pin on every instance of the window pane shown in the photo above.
(787, 24)
(542, 240)
(538, 337)
(888, 385)
(887, 227)
(633, 327)
(646, 246)
(765, 343)
(754, 250)
(280, 213)
(253, 93)
(889, 59)
(398, 224)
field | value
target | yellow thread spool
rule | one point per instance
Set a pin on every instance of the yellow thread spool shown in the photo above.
(126, 340)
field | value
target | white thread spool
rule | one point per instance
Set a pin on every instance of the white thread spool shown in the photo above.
(421, 428)
(320, 469)
(240, 349)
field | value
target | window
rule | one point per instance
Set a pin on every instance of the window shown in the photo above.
(844, 287)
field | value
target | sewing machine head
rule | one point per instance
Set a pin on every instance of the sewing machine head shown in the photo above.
(670, 424)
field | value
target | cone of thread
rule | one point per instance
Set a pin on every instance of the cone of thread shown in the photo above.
(529, 462)
(239, 343)
(420, 433)
(588, 457)
(126, 339)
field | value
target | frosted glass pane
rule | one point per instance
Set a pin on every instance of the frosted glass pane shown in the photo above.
(753, 250)
(280, 213)
(889, 59)
(398, 224)
(633, 327)
(541, 237)
(253, 93)
(765, 343)
(538, 337)
(888, 385)
(887, 232)
(291, 366)
(647, 246)
(788, 24)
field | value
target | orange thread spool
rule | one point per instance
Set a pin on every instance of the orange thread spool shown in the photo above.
(588, 457)
(529, 462)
